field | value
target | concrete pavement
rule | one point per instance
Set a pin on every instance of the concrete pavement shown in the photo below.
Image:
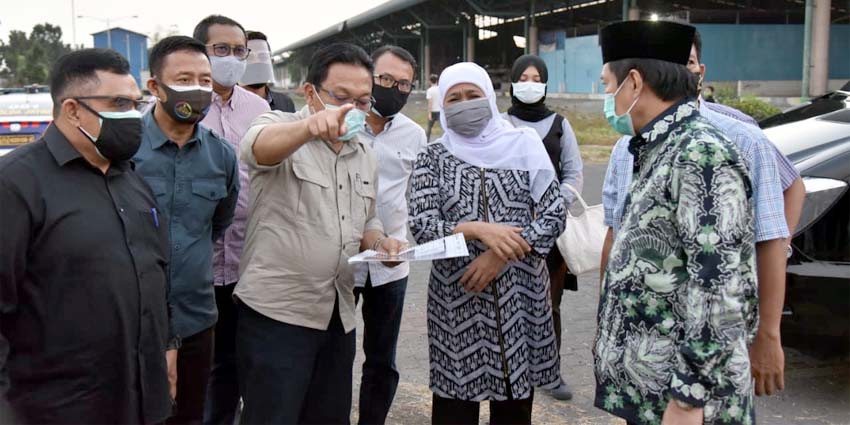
(817, 388)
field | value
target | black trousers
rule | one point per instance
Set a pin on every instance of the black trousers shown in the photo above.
(223, 389)
(291, 374)
(560, 279)
(382, 310)
(448, 411)
(434, 117)
(193, 371)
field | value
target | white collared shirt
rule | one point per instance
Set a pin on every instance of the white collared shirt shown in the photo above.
(395, 149)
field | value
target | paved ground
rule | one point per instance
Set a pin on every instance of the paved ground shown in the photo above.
(817, 388)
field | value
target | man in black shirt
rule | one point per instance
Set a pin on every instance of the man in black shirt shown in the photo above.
(84, 321)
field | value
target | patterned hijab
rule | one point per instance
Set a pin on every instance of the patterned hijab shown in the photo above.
(500, 146)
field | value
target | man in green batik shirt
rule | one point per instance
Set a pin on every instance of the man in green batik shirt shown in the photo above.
(679, 297)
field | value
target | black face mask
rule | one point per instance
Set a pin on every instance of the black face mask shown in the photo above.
(699, 83)
(188, 106)
(388, 101)
(120, 134)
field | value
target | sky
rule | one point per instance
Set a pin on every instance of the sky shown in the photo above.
(283, 21)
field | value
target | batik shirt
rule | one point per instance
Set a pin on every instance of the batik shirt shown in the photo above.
(679, 300)
(497, 344)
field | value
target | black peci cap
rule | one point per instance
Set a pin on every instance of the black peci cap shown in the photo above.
(666, 41)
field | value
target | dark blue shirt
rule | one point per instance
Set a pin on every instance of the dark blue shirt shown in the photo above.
(196, 186)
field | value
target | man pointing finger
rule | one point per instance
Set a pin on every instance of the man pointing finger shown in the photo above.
(313, 191)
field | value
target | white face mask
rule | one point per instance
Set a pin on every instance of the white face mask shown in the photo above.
(227, 70)
(529, 92)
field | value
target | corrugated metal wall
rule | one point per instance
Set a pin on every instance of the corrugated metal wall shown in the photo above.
(137, 54)
(730, 52)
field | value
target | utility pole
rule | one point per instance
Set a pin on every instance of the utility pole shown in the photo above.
(74, 23)
(807, 49)
(108, 22)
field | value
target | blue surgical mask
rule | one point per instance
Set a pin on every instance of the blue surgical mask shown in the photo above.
(620, 123)
(355, 120)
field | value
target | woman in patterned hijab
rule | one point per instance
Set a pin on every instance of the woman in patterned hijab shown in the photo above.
(490, 329)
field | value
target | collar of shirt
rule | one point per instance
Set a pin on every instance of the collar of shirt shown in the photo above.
(154, 133)
(59, 146)
(387, 126)
(659, 128)
(64, 152)
(238, 92)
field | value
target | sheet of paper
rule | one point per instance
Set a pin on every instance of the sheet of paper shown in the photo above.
(449, 247)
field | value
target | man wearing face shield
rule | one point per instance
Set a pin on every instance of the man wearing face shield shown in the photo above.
(778, 195)
(313, 197)
(679, 295)
(194, 174)
(83, 259)
(229, 116)
(490, 329)
(259, 74)
(528, 109)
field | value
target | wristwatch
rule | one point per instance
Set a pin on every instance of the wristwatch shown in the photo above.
(682, 405)
(789, 252)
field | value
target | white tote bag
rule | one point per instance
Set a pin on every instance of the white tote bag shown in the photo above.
(581, 242)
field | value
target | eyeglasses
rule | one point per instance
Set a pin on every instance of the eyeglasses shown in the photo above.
(363, 105)
(387, 81)
(223, 50)
(117, 103)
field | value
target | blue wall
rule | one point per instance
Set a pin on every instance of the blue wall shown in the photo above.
(138, 49)
(767, 52)
(730, 52)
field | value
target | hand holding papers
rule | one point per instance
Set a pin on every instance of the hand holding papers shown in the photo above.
(448, 247)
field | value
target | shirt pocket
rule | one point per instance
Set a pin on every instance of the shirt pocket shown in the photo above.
(312, 194)
(206, 195)
(150, 231)
(362, 198)
(159, 187)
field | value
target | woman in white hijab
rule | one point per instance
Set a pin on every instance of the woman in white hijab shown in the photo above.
(490, 329)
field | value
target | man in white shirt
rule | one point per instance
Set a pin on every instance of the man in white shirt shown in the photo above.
(395, 140)
(434, 102)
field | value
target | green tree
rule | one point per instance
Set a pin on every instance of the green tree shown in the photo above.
(27, 60)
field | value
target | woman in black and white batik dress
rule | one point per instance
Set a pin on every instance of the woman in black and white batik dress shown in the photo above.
(490, 329)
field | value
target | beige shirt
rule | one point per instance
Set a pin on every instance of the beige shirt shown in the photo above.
(306, 217)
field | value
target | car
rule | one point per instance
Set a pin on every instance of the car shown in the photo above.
(816, 138)
(23, 117)
(830, 102)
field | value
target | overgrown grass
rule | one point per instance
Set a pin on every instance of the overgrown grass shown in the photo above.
(419, 113)
(591, 129)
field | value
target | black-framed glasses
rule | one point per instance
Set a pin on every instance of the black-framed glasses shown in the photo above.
(387, 81)
(223, 50)
(362, 104)
(117, 103)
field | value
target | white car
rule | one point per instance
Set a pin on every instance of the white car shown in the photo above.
(23, 118)
(816, 138)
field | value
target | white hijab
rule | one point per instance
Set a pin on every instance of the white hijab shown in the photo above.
(500, 146)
